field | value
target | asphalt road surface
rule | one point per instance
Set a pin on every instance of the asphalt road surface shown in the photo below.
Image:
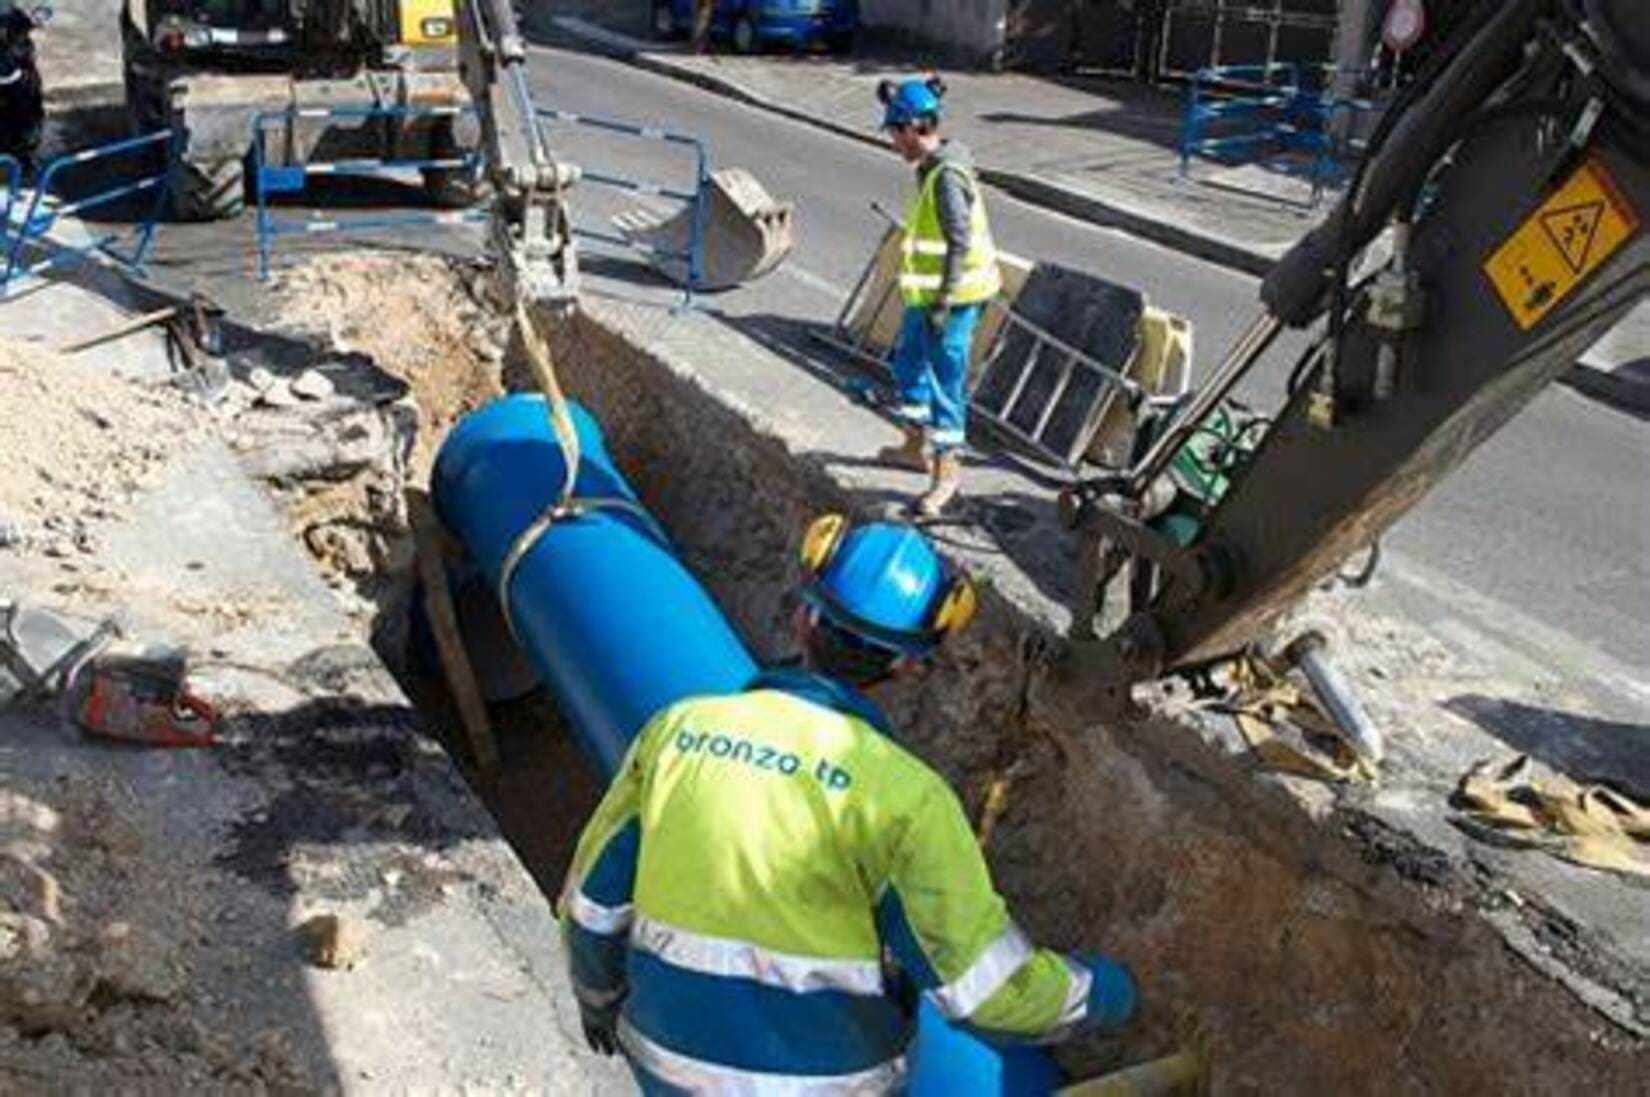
(1537, 550)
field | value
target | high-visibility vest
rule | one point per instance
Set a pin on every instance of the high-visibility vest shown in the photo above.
(737, 887)
(922, 260)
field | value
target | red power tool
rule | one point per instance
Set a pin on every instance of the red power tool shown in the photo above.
(142, 700)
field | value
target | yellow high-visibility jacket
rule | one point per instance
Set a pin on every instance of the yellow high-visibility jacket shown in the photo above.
(740, 882)
(924, 246)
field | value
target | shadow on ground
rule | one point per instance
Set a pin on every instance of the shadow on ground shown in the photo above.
(1586, 748)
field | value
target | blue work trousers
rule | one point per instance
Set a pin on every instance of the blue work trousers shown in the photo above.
(931, 371)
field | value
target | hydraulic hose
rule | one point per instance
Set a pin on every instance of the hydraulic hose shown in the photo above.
(1296, 289)
(1624, 46)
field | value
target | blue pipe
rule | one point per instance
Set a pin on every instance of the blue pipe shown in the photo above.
(618, 628)
(611, 620)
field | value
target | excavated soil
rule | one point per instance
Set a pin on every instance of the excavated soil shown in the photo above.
(76, 443)
(425, 320)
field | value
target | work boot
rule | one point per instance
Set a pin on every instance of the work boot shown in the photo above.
(947, 480)
(910, 454)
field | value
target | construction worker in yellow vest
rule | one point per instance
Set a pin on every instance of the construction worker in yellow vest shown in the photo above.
(948, 271)
(772, 880)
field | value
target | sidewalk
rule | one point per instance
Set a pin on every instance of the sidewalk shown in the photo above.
(1100, 151)
(79, 55)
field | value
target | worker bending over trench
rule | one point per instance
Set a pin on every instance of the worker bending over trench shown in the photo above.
(771, 880)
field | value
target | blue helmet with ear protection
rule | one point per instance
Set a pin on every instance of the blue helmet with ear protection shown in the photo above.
(884, 583)
(910, 101)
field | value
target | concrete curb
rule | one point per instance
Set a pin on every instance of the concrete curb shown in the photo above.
(1158, 226)
(1155, 225)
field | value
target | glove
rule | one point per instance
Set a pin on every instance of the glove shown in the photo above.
(601, 1027)
(938, 316)
(1113, 996)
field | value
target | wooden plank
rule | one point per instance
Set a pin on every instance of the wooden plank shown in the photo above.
(430, 541)
(121, 330)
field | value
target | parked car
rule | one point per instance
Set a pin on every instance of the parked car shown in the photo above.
(752, 24)
(22, 101)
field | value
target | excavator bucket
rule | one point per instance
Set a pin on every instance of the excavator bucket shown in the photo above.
(746, 233)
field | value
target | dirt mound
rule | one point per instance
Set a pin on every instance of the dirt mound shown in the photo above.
(76, 443)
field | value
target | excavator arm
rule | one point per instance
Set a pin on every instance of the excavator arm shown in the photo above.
(1511, 182)
(530, 231)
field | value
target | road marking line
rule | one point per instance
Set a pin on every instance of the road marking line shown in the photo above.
(816, 281)
(1558, 650)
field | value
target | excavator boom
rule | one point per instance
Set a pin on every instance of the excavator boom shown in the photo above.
(530, 231)
(1513, 181)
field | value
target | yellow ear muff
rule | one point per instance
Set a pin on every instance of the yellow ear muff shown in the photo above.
(956, 608)
(820, 543)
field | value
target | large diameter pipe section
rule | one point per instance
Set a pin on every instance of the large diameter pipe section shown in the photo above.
(618, 629)
(611, 620)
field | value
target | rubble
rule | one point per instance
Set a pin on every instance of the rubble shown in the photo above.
(408, 345)
(333, 941)
(312, 385)
(425, 320)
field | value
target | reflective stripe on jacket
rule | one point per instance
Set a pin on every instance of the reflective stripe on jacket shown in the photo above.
(741, 879)
(923, 248)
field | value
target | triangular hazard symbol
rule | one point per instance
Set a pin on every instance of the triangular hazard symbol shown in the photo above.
(1572, 229)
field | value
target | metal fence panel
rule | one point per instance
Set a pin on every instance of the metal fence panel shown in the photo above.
(275, 179)
(692, 194)
(29, 222)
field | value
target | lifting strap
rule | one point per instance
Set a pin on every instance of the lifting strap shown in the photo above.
(568, 505)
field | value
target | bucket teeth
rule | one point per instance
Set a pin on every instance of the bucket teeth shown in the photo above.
(747, 233)
(634, 222)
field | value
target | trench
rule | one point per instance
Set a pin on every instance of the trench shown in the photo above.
(1304, 952)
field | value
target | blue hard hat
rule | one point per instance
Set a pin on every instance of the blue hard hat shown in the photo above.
(910, 101)
(884, 583)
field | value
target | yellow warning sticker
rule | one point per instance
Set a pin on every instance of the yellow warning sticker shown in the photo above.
(1584, 223)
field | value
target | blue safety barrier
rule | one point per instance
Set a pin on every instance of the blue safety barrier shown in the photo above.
(693, 256)
(618, 628)
(30, 222)
(1240, 114)
(274, 179)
